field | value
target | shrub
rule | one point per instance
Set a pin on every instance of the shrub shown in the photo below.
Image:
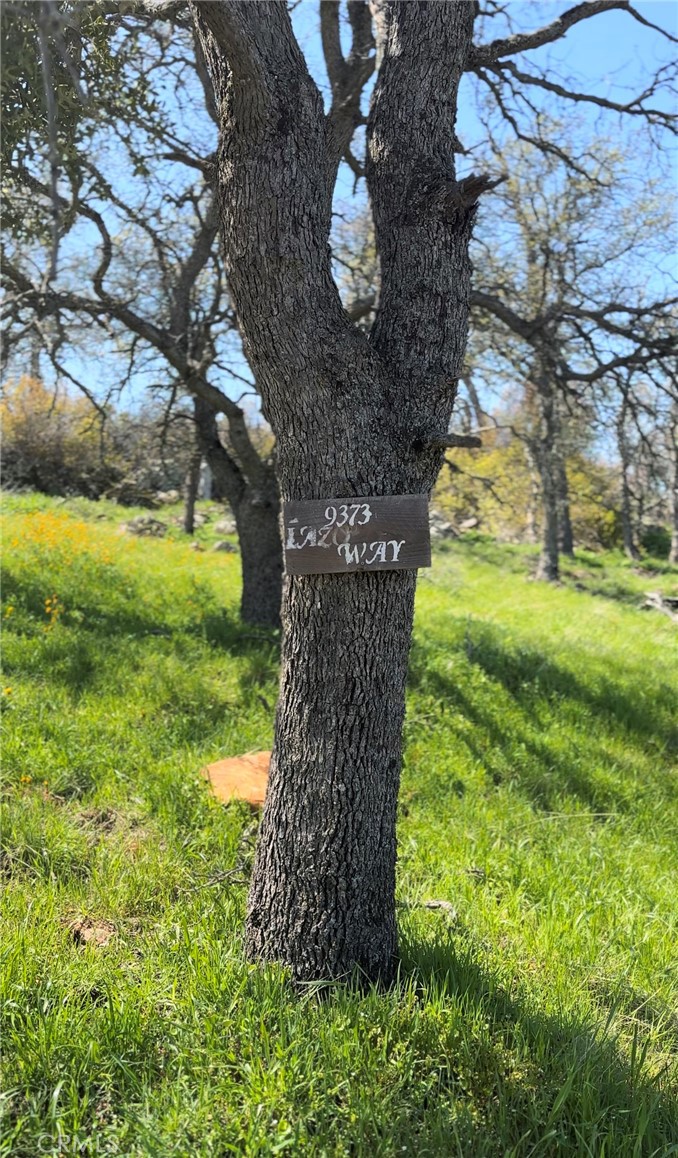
(52, 442)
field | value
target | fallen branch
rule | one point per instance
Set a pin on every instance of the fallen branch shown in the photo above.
(667, 604)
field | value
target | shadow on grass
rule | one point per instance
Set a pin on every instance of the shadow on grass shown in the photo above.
(101, 630)
(541, 761)
(612, 589)
(528, 675)
(547, 1079)
(518, 560)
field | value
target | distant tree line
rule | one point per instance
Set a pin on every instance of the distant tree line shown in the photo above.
(59, 443)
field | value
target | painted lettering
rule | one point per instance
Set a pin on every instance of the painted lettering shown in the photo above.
(309, 541)
(351, 554)
(379, 553)
(396, 548)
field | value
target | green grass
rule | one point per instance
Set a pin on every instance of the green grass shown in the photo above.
(536, 1010)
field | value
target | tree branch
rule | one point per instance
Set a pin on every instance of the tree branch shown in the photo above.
(632, 108)
(456, 441)
(486, 54)
(347, 76)
(423, 251)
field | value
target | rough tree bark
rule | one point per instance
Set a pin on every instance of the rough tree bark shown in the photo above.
(543, 446)
(352, 415)
(565, 534)
(534, 497)
(549, 559)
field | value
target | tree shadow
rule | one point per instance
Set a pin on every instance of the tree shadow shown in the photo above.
(102, 632)
(541, 763)
(637, 1007)
(529, 675)
(528, 672)
(540, 1077)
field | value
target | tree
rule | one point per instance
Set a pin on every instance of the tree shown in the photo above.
(672, 440)
(135, 187)
(644, 406)
(353, 414)
(565, 299)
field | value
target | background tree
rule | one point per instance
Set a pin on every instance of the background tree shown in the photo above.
(673, 453)
(353, 414)
(135, 187)
(568, 302)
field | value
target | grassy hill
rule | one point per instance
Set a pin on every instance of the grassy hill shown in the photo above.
(536, 1012)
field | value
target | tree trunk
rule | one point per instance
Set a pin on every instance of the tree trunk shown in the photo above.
(628, 536)
(353, 415)
(549, 560)
(323, 887)
(673, 476)
(534, 499)
(629, 539)
(256, 509)
(565, 536)
(191, 491)
(257, 523)
(545, 451)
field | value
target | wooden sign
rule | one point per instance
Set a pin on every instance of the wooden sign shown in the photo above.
(389, 533)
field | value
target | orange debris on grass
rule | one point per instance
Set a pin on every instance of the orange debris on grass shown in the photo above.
(242, 777)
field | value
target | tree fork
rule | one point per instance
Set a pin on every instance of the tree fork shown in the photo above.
(343, 408)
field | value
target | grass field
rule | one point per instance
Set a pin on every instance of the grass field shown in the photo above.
(536, 1011)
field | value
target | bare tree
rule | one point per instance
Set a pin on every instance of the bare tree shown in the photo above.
(564, 299)
(140, 197)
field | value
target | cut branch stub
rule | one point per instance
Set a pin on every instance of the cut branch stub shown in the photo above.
(451, 441)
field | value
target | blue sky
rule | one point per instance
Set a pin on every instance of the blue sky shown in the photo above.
(609, 54)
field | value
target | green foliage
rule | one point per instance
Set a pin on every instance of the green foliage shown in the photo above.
(92, 71)
(656, 540)
(61, 445)
(492, 485)
(535, 1010)
(496, 486)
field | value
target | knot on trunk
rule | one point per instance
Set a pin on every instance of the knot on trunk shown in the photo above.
(438, 193)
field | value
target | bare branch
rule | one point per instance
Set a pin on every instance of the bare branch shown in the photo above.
(524, 328)
(347, 76)
(486, 54)
(634, 107)
(456, 441)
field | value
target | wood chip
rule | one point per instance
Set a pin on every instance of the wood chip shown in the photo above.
(240, 777)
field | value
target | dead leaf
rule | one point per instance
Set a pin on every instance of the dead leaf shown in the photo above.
(242, 777)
